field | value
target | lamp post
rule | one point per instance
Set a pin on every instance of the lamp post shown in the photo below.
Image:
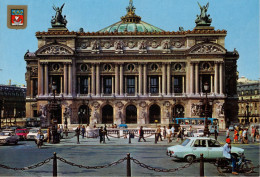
(247, 114)
(53, 109)
(206, 129)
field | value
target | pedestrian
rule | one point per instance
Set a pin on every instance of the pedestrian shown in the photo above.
(240, 135)
(227, 154)
(141, 134)
(168, 134)
(190, 131)
(235, 135)
(257, 134)
(101, 135)
(164, 132)
(173, 133)
(227, 133)
(83, 131)
(77, 133)
(105, 132)
(179, 135)
(253, 134)
(216, 133)
(244, 135)
(182, 133)
(159, 135)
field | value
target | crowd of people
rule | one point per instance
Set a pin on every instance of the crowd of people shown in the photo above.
(243, 135)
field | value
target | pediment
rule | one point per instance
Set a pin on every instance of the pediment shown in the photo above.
(207, 48)
(55, 49)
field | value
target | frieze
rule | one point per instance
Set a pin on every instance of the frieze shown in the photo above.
(207, 49)
(119, 45)
(142, 46)
(56, 50)
(178, 44)
(131, 44)
(154, 44)
(95, 45)
(34, 71)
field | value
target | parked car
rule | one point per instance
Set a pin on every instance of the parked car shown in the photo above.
(32, 134)
(45, 134)
(7, 137)
(192, 147)
(198, 133)
(22, 133)
(231, 128)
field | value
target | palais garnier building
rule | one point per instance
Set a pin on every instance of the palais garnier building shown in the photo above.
(131, 72)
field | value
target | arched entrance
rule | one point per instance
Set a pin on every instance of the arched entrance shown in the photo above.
(56, 115)
(155, 113)
(107, 114)
(178, 112)
(83, 114)
(131, 114)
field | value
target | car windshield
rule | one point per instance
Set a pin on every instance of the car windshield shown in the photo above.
(5, 134)
(33, 131)
(20, 131)
(185, 142)
(200, 131)
(44, 131)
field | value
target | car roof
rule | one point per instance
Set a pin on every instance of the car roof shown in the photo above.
(194, 138)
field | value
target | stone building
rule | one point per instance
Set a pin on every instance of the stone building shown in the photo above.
(248, 92)
(132, 72)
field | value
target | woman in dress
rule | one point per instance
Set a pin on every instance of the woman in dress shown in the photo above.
(235, 135)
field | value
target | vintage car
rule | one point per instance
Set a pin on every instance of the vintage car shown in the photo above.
(22, 133)
(198, 133)
(7, 137)
(32, 134)
(192, 147)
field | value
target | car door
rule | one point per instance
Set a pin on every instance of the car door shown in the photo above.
(200, 147)
(215, 149)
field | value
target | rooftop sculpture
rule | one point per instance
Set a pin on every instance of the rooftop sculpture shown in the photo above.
(59, 20)
(203, 19)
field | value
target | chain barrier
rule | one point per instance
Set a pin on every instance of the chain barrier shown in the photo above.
(29, 167)
(158, 169)
(92, 167)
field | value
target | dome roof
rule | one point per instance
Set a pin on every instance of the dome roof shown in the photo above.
(131, 23)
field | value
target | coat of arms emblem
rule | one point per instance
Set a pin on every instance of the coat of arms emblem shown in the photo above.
(17, 17)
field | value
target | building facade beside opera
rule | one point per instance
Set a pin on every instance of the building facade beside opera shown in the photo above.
(132, 73)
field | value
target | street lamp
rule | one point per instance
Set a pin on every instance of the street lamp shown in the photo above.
(53, 109)
(247, 114)
(206, 129)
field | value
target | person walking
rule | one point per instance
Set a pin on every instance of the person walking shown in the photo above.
(179, 135)
(101, 135)
(105, 132)
(216, 133)
(240, 135)
(141, 134)
(164, 132)
(227, 133)
(173, 133)
(235, 135)
(244, 135)
(83, 131)
(77, 133)
(159, 135)
(253, 134)
(168, 134)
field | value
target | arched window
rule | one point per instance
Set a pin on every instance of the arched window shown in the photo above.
(83, 114)
(107, 114)
(155, 114)
(131, 114)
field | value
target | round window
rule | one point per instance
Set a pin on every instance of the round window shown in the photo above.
(131, 67)
(107, 67)
(177, 67)
(206, 66)
(55, 67)
(84, 67)
(154, 67)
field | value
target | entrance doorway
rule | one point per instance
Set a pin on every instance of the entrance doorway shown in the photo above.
(155, 113)
(83, 114)
(107, 114)
(131, 114)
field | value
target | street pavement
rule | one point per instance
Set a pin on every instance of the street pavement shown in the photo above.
(91, 153)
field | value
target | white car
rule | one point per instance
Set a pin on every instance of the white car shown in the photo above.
(32, 134)
(192, 147)
(199, 133)
(7, 137)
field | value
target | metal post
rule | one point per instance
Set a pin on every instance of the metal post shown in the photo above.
(54, 164)
(155, 138)
(201, 165)
(128, 166)
(118, 133)
(129, 141)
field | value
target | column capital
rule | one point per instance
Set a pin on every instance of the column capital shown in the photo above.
(218, 62)
(194, 62)
(44, 62)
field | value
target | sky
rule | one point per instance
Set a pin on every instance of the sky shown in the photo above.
(239, 17)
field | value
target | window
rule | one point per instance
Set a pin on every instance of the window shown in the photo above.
(154, 87)
(213, 143)
(84, 67)
(131, 67)
(108, 85)
(185, 142)
(84, 85)
(154, 67)
(107, 67)
(178, 84)
(130, 85)
(200, 143)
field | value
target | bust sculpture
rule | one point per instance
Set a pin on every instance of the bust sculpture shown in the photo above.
(203, 19)
(59, 20)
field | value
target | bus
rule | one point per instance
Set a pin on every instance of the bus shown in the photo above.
(198, 123)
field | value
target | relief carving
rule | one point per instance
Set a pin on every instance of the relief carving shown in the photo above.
(142, 46)
(56, 50)
(195, 109)
(119, 45)
(95, 45)
(166, 46)
(131, 44)
(207, 48)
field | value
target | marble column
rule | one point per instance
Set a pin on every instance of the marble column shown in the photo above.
(183, 84)
(221, 78)
(79, 85)
(88, 85)
(113, 87)
(93, 82)
(61, 85)
(136, 85)
(65, 79)
(168, 79)
(40, 80)
(97, 80)
(216, 79)
(116, 80)
(121, 80)
(140, 79)
(192, 78)
(196, 78)
(160, 90)
(211, 84)
(145, 79)
(70, 79)
(46, 79)
(163, 79)
(31, 89)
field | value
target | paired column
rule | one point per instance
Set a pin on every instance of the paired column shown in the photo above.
(46, 79)
(121, 80)
(61, 84)
(140, 79)
(70, 79)
(163, 79)
(211, 83)
(31, 89)
(196, 78)
(116, 80)
(168, 79)
(40, 80)
(221, 78)
(97, 80)
(216, 79)
(65, 79)
(183, 84)
(145, 79)
(192, 78)
(136, 85)
(93, 82)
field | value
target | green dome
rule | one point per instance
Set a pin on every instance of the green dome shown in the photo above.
(131, 23)
(131, 27)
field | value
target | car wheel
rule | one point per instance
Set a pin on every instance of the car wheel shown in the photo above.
(190, 158)
(16, 142)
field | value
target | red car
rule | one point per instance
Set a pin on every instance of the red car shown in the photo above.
(22, 133)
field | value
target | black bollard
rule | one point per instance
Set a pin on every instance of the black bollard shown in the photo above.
(128, 166)
(201, 165)
(54, 164)
(129, 140)
(155, 138)
(78, 138)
